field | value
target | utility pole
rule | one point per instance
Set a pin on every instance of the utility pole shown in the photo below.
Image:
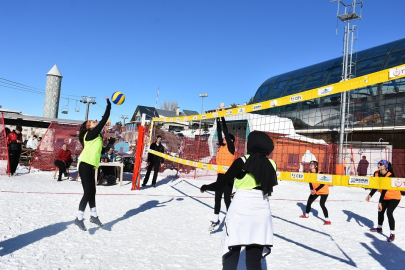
(88, 100)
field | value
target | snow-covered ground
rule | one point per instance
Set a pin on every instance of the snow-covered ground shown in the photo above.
(167, 227)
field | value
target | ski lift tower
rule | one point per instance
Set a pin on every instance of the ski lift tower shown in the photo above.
(346, 16)
(88, 100)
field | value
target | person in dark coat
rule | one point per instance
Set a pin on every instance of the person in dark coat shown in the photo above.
(14, 145)
(362, 167)
(63, 161)
(154, 161)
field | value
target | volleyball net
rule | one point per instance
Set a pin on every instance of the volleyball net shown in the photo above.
(304, 126)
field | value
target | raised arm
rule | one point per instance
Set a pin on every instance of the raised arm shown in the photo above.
(229, 143)
(92, 134)
(219, 131)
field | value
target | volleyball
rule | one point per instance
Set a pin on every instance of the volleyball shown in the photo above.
(118, 158)
(118, 98)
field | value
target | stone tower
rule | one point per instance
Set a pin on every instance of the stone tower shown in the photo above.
(52, 93)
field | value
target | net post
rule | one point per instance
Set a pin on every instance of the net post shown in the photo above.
(136, 175)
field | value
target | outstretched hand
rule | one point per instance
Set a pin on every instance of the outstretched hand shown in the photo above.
(106, 97)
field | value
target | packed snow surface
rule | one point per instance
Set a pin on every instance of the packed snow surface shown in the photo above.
(167, 227)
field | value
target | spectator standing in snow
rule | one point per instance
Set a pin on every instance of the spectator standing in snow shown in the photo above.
(14, 143)
(154, 161)
(362, 167)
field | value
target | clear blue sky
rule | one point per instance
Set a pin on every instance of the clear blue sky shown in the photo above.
(224, 48)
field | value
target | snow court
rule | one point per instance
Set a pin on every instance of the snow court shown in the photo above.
(166, 228)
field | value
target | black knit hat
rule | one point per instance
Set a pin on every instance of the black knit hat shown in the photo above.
(19, 128)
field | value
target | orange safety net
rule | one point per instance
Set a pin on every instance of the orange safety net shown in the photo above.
(51, 143)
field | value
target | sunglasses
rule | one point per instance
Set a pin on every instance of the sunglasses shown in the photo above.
(381, 164)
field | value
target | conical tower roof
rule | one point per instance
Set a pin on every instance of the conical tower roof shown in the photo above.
(54, 72)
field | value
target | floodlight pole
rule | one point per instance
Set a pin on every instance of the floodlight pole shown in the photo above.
(347, 16)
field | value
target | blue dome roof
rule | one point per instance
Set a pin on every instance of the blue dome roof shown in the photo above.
(329, 72)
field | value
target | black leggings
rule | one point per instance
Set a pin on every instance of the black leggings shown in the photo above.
(390, 206)
(226, 190)
(253, 258)
(312, 198)
(86, 172)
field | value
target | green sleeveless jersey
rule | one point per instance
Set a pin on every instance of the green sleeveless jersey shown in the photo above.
(92, 151)
(248, 182)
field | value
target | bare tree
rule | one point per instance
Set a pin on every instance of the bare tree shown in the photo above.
(173, 106)
(169, 105)
(233, 105)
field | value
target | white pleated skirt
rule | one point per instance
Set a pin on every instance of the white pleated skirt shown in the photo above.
(248, 221)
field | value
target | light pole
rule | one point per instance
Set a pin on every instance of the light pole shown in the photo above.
(88, 100)
(202, 96)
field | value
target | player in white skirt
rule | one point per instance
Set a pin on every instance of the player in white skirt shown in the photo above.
(249, 222)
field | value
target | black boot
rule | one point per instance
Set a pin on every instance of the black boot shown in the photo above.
(60, 177)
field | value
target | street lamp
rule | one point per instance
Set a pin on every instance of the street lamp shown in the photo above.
(202, 96)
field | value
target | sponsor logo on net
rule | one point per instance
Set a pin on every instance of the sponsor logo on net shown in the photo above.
(171, 119)
(203, 116)
(194, 117)
(273, 103)
(257, 107)
(205, 166)
(180, 160)
(229, 112)
(215, 114)
(215, 167)
(177, 119)
(325, 91)
(324, 178)
(241, 110)
(225, 168)
(188, 162)
(299, 176)
(194, 163)
(356, 180)
(396, 72)
(185, 118)
(295, 98)
(398, 182)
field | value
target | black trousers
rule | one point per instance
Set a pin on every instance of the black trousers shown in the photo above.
(108, 170)
(155, 167)
(253, 258)
(312, 198)
(61, 165)
(226, 191)
(86, 172)
(389, 206)
(14, 156)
